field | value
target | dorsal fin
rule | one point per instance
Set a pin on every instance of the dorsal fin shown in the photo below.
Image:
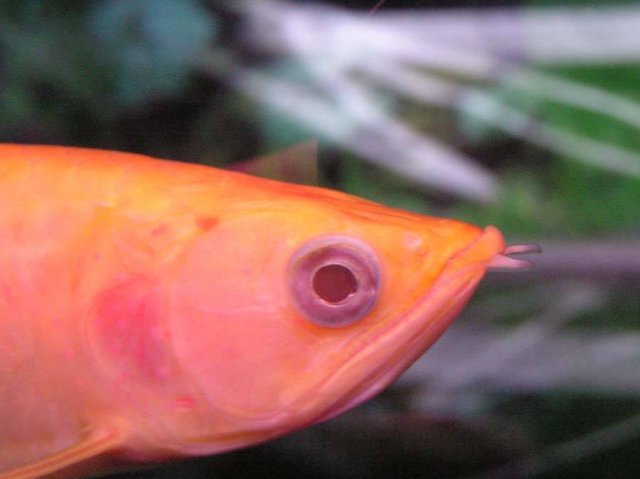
(295, 164)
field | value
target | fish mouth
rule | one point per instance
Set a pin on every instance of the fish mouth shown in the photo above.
(401, 342)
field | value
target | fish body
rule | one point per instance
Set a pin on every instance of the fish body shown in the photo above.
(152, 309)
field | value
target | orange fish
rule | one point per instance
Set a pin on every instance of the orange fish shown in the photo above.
(152, 310)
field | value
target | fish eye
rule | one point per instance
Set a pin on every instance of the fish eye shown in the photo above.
(334, 281)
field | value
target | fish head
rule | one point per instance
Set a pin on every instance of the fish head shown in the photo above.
(288, 313)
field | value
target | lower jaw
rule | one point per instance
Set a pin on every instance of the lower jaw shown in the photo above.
(407, 340)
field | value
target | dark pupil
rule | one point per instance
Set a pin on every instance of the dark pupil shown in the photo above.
(334, 283)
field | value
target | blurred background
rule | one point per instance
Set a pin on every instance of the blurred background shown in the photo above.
(524, 114)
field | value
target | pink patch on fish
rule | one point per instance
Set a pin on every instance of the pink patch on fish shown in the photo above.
(184, 402)
(129, 328)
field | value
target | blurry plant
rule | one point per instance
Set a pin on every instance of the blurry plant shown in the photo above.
(573, 199)
(152, 44)
(49, 75)
(71, 70)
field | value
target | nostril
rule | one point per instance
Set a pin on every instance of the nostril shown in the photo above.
(334, 283)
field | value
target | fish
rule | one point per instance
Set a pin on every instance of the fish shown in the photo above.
(152, 310)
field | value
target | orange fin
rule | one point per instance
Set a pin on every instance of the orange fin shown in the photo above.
(94, 444)
(296, 164)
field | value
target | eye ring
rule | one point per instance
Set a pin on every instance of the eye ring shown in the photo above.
(334, 281)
